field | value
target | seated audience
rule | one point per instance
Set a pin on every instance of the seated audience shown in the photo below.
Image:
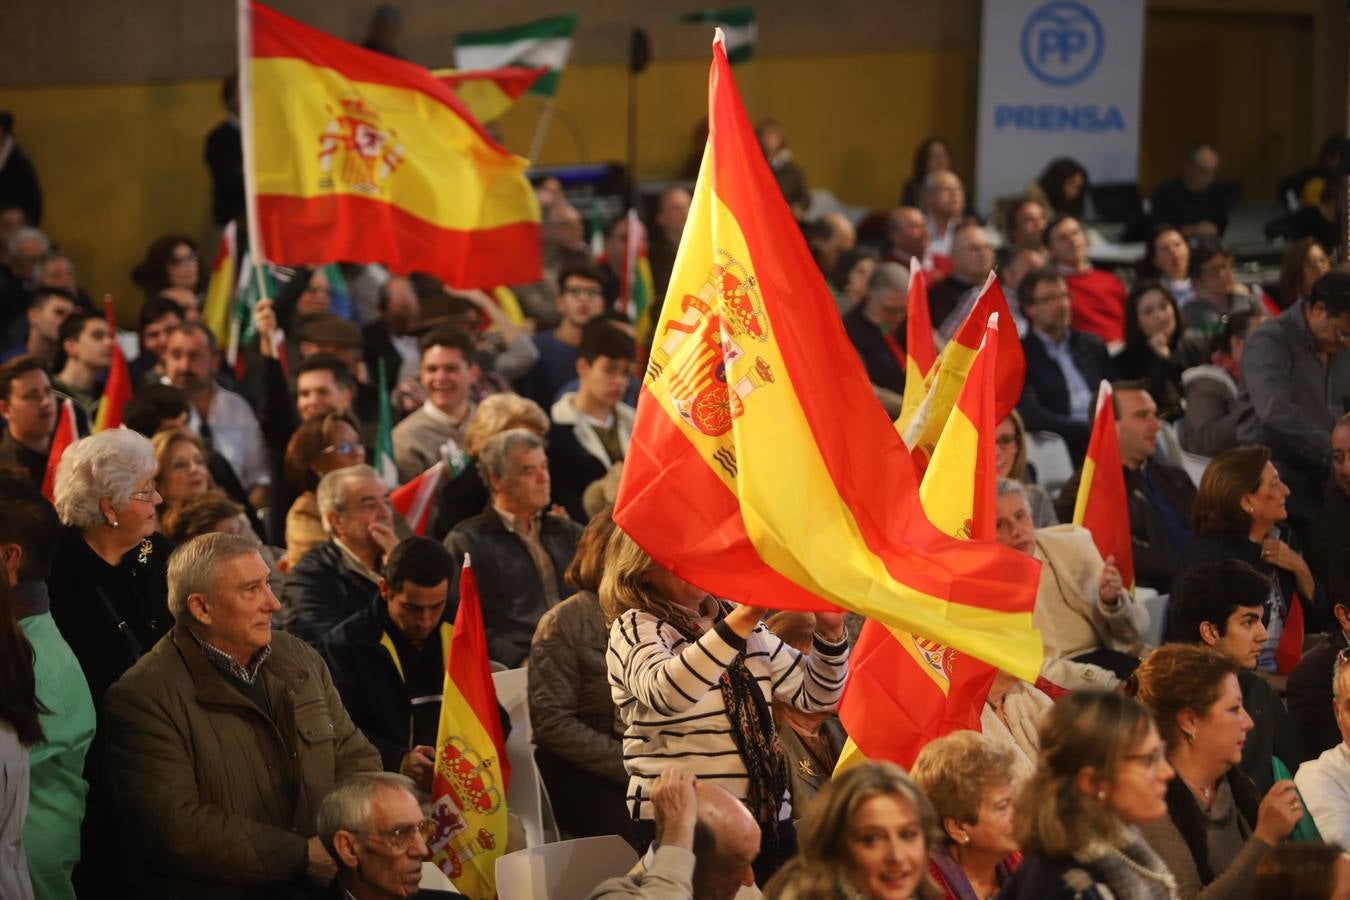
(1211, 391)
(705, 841)
(876, 328)
(55, 799)
(390, 337)
(1096, 296)
(907, 237)
(575, 729)
(944, 205)
(1304, 262)
(785, 170)
(180, 467)
(1062, 187)
(1024, 228)
(1100, 777)
(592, 426)
(157, 318)
(48, 309)
(1011, 717)
(1218, 293)
(520, 550)
(668, 220)
(1011, 274)
(580, 299)
(811, 741)
(1324, 782)
(951, 299)
(683, 666)
(373, 827)
(1218, 827)
(394, 697)
(225, 736)
(1330, 533)
(20, 731)
(82, 365)
(1220, 605)
(29, 410)
(319, 446)
(445, 372)
(1308, 691)
(1065, 366)
(1154, 352)
(171, 261)
(213, 512)
(969, 780)
(1160, 496)
(850, 278)
(1010, 461)
(1167, 258)
(1196, 203)
(1303, 872)
(866, 835)
(341, 576)
(1236, 516)
(933, 154)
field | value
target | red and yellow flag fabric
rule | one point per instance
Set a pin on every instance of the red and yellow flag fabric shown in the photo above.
(922, 349)
(761, 467)
(413, 501)
(355, 156)
(905, 690)
(922, 426)
(489, 93)
(117, 389)
(219, 302)
(468, 789)
(1102, 506)
(67, 433)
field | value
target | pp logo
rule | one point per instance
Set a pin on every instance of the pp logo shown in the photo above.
(1062, 42)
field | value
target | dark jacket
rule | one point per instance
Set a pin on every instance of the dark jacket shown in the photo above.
(508, 583)
(943, 299)
(224, 155)
(883, 368)
(459, 498)
(1271, 734)
(366, 672)
(1066, 878)
(1044, 404)
(19, 185)
(1308, 693)
(219, 796)
(378, 346)
(1160, 375)
(33, 462)
(1330, 534)
(322, 590)
(1156, 556)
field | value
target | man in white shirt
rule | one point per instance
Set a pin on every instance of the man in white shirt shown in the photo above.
(446, 372)
(1325, 782)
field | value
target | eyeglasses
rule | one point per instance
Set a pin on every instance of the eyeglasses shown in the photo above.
(183, 260)
(1148, 760)
(345, 448)
(401, 837)
(150, 496)
(1005, 440)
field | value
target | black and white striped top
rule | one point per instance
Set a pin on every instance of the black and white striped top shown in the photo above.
(668, 699)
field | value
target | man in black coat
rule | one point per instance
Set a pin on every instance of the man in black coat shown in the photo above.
(1308, 690)
(224, 155)
(1330, 536)
(1064, 366)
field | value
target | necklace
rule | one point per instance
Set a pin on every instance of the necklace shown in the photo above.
(1143, 870)
(1206, 795)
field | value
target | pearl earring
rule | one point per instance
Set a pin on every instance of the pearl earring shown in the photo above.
(1101, 796)
(113, 524)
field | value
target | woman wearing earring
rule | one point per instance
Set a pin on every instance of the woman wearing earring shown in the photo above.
(1217, 828)
(318, 447)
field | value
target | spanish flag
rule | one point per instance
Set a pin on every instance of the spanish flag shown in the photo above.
(1103, 507)
(905, 690)
(117, 389)
(922, 427)
(636, 290)
(489, 93)
(761, 467)
(355, 156)
(468, 789)
(67, 432)
(922, 349)
(219, 302)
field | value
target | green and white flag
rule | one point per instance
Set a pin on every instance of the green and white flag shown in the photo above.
(738, 26)
(547, 42)
(384, 435)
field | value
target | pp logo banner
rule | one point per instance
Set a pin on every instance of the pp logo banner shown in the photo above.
(1062, 42)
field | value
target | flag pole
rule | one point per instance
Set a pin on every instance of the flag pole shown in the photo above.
(244, 33)
(541, 129)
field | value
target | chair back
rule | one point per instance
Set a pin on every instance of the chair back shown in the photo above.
(568, 870)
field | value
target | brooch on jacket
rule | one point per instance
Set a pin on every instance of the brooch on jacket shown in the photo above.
(143, 555)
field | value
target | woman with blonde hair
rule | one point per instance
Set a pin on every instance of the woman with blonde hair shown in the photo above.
(1101, 774)
(866, 836)
(693, 677)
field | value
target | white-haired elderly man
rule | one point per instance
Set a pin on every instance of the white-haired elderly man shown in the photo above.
(876, 328)
(224, 738)
(341, 576)
(519, 549)
(1091, 625)
(1324, 782)
(376, 831)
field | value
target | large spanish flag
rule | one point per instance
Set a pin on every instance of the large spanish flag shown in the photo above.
(905, 690)
(922, 426)
(922, 349)
(468, 789)
(761, 467)
(1102, 506)
(354, 156)
(117, 389)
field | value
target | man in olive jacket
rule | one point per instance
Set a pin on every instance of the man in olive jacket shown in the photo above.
(225, 737)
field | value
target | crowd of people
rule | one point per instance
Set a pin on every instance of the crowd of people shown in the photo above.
(222, 651)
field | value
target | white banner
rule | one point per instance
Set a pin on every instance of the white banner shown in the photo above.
(1058, 78)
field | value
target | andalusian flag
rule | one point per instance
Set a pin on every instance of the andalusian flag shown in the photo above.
(468, 790)
(761, 467)
(905, 690)
(490, 93)
(384, 435)
(355, 156)
(117, 389)
(1103, 506)
(635, 288)
(923, 425)
(67, 432)
(219, 302)
(738, 29)
(921, 349)
(252, 285)
(546, 43)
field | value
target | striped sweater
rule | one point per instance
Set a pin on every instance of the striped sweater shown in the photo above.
(668, 699)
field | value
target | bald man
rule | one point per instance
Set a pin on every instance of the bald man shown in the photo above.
(907, 235)
(706, 841)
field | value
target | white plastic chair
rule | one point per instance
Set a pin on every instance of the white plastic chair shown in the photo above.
(568, 870)
(1195, 465)
(1049, 453)
(1156, 604)
(433, 879)
(526, 796)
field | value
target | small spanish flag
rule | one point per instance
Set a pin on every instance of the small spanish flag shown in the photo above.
(219, 302)
(1103, 507)
(117, 389)
(67, 433)
(489, 93)
(922, 349)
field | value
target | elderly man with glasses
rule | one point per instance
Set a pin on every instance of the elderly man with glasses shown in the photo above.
(224, 738)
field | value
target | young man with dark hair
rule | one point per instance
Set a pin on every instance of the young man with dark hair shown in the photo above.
(86, 354)
(580, 299)
(446, 372)
(1308, 690)
(158, 317)
(323, 384)
(592, 426)
(29, 409)
(48, 309)
(1096, 295)
(388, 660)
(1220, 605)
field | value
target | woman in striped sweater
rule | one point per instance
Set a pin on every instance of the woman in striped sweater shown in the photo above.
(693, 678)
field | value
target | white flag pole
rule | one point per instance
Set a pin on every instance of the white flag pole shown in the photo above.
(541, 129)
(244, 10)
